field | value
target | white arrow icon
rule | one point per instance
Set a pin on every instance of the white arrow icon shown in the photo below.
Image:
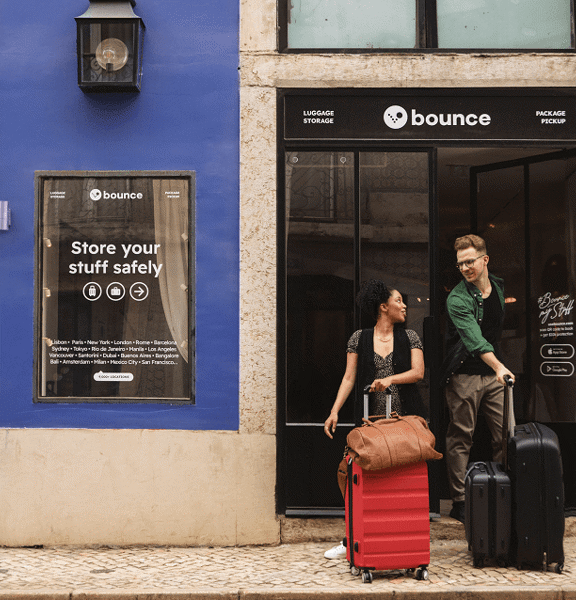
(139, 291)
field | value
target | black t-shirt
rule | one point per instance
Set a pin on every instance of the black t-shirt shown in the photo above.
(490, 327)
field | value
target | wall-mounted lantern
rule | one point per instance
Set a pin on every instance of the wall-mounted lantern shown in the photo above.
(109, 42)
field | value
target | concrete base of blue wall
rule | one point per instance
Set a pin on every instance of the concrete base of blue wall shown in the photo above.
(126, 487)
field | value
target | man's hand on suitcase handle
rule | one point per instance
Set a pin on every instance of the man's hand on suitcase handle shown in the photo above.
(501, 371)
(503, 375)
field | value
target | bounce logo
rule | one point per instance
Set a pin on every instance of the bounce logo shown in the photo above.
(96, 194)
(395, 117)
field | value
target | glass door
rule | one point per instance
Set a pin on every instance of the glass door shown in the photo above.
(526, 211)
(499, 211)
(349, 216)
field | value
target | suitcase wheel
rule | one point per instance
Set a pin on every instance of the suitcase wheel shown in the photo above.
(366, 577)
(422, 574)
(355, 571)
(559, 568)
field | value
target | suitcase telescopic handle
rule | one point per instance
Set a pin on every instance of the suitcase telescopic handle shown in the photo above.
(507, 421)
(367, 398)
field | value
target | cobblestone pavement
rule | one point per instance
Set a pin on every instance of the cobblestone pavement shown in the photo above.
(288, 570)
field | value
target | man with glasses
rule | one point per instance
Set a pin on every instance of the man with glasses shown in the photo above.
(472, 370)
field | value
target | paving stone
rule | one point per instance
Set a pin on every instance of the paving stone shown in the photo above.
(252, 572)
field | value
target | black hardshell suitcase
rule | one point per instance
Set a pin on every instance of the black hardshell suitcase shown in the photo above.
(488, 503)
(535, 467)
(488, 512)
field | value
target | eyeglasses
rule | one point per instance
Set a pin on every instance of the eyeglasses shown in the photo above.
(468, 263)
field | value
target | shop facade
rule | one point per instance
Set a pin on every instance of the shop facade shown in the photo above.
(181, 260)
(378, 184)
(363, 190)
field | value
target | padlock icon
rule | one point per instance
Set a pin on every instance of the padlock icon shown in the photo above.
(92, 291)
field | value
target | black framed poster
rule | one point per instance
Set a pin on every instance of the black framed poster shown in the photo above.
(115, 279)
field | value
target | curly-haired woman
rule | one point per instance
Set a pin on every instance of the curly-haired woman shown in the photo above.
(386, 357)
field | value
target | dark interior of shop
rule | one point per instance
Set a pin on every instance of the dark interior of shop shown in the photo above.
(521, 200)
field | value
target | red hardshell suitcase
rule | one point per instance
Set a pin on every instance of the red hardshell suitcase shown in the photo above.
(387, 519)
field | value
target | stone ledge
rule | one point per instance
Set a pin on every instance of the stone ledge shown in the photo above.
(294, 530)
(390, 70)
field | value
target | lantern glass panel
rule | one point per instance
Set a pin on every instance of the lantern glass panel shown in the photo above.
(108, 53)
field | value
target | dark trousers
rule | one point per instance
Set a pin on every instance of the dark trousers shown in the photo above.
(466, 396)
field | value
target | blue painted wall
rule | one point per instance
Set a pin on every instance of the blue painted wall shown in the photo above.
(185, 118)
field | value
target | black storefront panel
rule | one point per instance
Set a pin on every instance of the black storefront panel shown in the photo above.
(434, 116)
(521, 141)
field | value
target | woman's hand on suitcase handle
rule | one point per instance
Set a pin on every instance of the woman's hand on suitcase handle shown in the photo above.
(330, 424)
(380, 385)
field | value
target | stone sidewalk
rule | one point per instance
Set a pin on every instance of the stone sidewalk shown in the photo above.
(289, 571)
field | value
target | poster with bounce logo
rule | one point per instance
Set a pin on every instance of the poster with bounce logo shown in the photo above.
(114, 293)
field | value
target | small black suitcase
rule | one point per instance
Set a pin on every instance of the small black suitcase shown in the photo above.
(488, 512)
(535, 467)
(488, 502)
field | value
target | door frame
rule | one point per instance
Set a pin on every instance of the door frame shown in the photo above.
(432, 340)
(519, 134)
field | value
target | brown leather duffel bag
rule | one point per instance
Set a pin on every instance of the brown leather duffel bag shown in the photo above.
(386, 443)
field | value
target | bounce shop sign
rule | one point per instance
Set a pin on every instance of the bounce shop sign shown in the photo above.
(115, 293)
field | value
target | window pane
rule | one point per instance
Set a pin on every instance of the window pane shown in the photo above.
(345, 24)
(320, 280)
(114, 301)
(501, 222)
(504, 24)
(553, 291)
(394, 195)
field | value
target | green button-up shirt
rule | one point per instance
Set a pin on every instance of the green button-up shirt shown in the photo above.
(465, 312)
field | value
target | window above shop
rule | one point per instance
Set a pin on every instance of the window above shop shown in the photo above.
(377, 25)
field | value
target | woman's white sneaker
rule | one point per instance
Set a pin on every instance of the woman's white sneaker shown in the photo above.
(338, 551)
